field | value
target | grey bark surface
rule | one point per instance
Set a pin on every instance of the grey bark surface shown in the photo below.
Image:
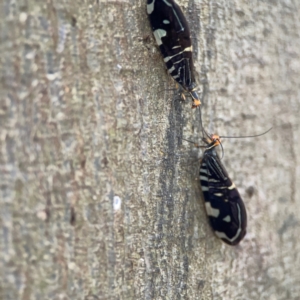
(100, 197)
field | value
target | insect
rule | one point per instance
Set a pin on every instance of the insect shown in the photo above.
(172, 34)
(223, 203)
(224, 206)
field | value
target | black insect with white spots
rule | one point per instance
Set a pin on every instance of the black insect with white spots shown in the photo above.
(172, 34)
(223, 203)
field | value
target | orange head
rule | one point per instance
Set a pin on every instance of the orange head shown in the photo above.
(215, 139)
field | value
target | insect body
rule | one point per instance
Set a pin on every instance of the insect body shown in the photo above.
(223, 203)
(172, 34)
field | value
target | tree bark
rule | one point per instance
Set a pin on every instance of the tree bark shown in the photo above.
(100, 196)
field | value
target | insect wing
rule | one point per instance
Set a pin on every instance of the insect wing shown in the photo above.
(172, 35)
(223, 203)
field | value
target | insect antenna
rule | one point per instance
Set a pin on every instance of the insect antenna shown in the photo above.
(245, 136)
(204, 133)
(238, 137)
(195, 144)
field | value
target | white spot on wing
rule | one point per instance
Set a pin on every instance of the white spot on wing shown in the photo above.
(213, 180)
(171, 69)
(218, 194)
(222, 235)
(159, 34)
(150, 7)
(214, 212)
(204, 188)
(232, 187)
(203, 178)
(205, 171)
(179, 61)
(227, 219)
(188, 49)
(166, 59)
(166, 21)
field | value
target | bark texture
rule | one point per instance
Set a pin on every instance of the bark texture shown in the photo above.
(99, 194)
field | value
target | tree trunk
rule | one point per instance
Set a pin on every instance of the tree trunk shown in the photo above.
(100, 196)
